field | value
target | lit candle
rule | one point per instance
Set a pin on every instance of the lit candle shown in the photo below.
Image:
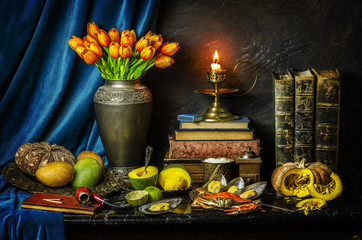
(215, 66)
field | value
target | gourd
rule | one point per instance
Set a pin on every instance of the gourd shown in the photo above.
(32, 156)
(292, 179)
(314, 179)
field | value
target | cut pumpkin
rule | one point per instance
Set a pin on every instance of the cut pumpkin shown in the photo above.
(296, 182)
(328, 191)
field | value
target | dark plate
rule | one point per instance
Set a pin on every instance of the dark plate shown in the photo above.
(110, 181)
(174, 203)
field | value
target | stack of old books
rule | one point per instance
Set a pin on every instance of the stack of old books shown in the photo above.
(307, 114)
(195, 140)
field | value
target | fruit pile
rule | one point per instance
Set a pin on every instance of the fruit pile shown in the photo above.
(171, 178)
(55, 166)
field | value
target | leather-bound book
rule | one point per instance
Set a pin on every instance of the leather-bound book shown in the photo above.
(204, 149)
(328, 99)
(60, 203)
(304, 115)
(283, 118)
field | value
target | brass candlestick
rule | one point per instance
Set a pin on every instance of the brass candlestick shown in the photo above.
(216, 112)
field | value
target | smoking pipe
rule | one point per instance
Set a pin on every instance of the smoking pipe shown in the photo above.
(84, 195)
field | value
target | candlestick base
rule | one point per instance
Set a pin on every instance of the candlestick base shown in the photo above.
(218, 113)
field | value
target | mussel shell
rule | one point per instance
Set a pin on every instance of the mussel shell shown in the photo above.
(220, 177)
(258, 187)
(174, 203)
(238, 182)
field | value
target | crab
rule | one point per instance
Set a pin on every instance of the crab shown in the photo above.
(225, 200)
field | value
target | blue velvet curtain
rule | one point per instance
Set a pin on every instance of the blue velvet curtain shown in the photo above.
(46, 90)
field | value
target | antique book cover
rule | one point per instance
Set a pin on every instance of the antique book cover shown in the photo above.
(304, 118)
(205, 134)
(283, 118)
(204, 149)
(328, 100)
(242, 123)
(59, 203)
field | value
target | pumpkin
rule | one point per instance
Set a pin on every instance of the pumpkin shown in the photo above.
(311, 204)
(292, 179)
(328, 191)
(301, 180)
(32, 156)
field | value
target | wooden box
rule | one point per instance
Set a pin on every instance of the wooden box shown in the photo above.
(249, 169)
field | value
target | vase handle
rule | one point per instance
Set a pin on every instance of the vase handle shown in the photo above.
(256, 75)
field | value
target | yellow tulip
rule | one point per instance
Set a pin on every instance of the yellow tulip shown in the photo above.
(92, 29)
(126, 38)
(149, 34)
(114, 35)
(114, 49)
(74, 41)
(156, 41)
(95, 48)
(125, 51)
(133, 33)
(89, 39)
(169, 49)
(142, 43)
(103, 38)
(147, 52)
(163, 61)
(89, 57)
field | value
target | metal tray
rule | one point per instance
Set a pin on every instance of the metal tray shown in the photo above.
(110, 182)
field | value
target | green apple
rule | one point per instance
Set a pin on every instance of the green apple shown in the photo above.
(87, 173)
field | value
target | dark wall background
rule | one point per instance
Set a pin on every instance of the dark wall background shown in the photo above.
(275, 35)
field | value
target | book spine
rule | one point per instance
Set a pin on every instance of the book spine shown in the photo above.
(284, 118)
(205, 149)
(328, 95)
(304, 115)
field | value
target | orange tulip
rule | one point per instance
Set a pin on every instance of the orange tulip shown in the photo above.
(149, 34)
(133, 33)
(94, 47)
(114, 35)
(142, 43)
(148, 52)
(74, 41)
(169, 49)
(92, 29)
(125, 51)
(89, 57)
(156, 41)
(103, 38)
(114, 49)
(79, 49)
(89, 39)
(163, 61)
(126, 38)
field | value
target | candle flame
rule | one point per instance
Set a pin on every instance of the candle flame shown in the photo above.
(216, 57)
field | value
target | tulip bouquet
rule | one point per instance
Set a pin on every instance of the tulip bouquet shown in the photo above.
(121, 56)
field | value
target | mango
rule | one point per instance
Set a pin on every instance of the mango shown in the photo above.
(87, 173)
(55, 174)
(91, 154)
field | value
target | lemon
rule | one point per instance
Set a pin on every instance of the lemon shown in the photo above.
(137, 198)
(155, 194)
(175, 182)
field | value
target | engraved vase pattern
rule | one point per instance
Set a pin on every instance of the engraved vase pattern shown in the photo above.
(123, 111)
